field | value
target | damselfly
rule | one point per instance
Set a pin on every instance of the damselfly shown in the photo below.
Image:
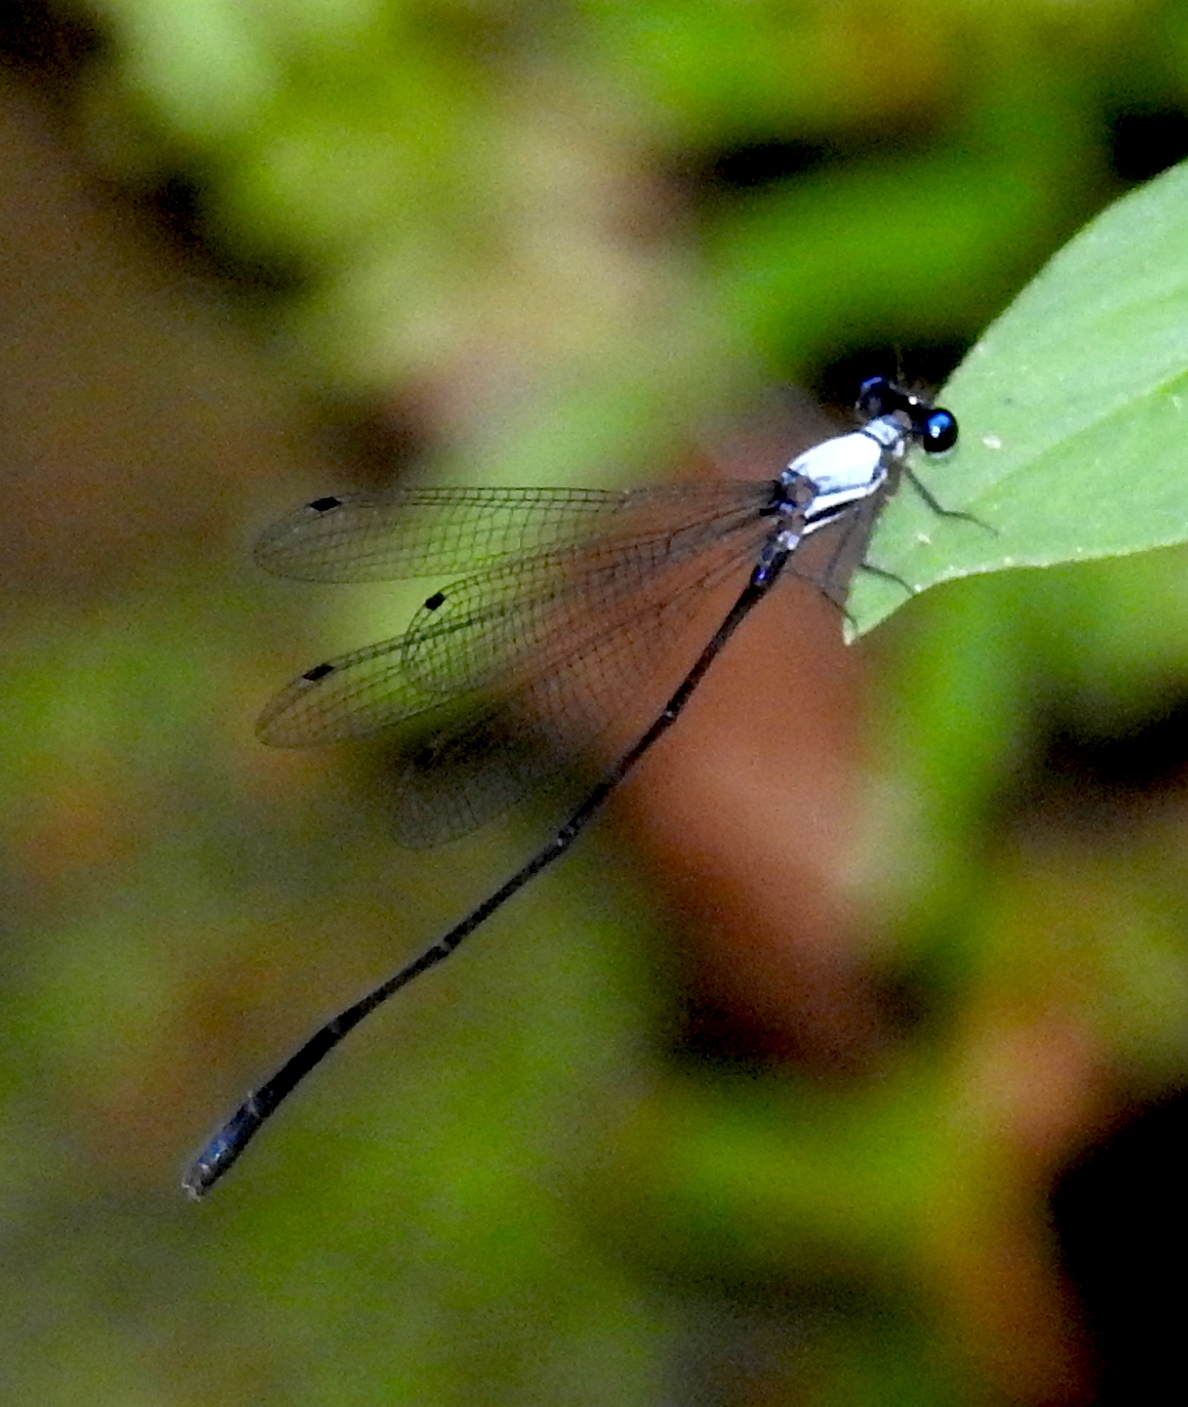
(574, 598)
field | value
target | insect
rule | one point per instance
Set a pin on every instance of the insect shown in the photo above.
(573, 598)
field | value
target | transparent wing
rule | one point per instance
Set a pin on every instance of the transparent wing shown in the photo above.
(506, 675)
(607, 659)
(350, 696)
(830, 563)
(512, 621)
(410, 532)
(527, 615)
(613, 681)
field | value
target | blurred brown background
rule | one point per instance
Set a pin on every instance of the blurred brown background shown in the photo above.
(763, 1096)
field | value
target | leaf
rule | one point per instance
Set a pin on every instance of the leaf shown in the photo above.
(1073, 411)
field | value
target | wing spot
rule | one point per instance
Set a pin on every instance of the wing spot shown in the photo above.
(434, 601)
(325, 505)
(319, 671)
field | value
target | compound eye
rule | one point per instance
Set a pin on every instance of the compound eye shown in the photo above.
(877, 397)
(938, 431)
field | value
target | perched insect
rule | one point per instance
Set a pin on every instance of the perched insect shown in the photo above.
(574, 598)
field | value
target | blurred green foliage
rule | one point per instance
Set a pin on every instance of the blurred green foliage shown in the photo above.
(565, 241)
(459, 184)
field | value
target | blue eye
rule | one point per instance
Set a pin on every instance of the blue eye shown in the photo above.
(934, 429)
(938, 431)
(877, 396)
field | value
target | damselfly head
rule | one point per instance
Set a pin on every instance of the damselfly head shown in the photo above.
(931, 427)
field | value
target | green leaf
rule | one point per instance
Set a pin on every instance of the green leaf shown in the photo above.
(1073, 411)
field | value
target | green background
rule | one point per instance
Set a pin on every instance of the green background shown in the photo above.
(756, 1099)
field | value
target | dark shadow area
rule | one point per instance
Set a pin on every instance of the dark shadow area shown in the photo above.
(923, 366)
(1122, 1226)
(762, 164)
(47, 42)
(174, 206)
(1147, 140)
(1150, 756)
(754, 165)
